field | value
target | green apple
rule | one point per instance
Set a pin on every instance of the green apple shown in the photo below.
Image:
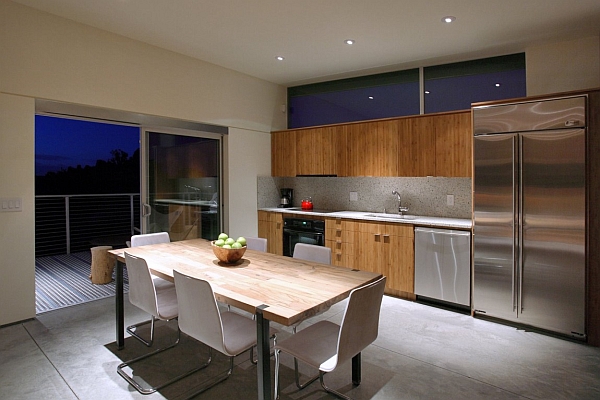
(241, 240)
(229, 241)
(219, 242)
(223, 236)
(236, 245)
(227, 246)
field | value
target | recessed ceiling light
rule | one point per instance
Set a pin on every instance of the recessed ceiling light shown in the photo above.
(427, 92)
(280, 58)
(497, 85)
(448, 19)
(371, 97)
(349, 41)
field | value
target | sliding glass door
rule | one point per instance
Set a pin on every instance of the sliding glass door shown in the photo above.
(181, 183)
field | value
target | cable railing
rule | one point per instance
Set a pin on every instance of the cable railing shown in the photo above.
(67, 224)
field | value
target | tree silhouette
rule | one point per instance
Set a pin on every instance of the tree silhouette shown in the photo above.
(120, 174)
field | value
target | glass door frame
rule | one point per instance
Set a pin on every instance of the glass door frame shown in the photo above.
(144, 167)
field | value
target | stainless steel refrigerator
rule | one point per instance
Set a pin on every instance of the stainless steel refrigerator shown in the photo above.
(529, 213)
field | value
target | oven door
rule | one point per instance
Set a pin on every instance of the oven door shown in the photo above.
(291, 237)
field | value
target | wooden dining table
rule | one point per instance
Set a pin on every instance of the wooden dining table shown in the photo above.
(274, 288)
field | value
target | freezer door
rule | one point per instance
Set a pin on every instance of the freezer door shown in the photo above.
(553, 230)
(494, 225)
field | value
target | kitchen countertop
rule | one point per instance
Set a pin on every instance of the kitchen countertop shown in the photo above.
(418, 220)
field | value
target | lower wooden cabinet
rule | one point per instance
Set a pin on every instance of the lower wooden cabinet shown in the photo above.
(270, 227)
(386, 248)
(339, 237)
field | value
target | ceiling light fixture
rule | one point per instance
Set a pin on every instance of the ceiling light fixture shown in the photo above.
(427, 92)
(370, 97)
(280, 58)
(497, 85)
(448, 19)
(349, 41)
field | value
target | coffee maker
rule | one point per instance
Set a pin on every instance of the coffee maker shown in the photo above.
(287, 197)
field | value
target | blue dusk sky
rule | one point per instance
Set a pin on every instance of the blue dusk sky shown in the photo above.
(61, 143)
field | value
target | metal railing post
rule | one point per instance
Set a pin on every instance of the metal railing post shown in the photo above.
(131, 213)
(68, 224)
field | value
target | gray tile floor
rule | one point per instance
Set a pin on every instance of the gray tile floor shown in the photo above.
(422, 353)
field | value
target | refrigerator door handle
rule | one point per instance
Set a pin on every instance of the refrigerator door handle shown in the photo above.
(519, 226)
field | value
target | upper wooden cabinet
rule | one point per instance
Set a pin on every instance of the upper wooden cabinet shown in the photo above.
(424, 145)
(453, 143)
(283, 153)
(316, 151)
(368, 149)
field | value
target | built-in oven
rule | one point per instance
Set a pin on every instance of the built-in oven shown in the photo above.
(301, 230)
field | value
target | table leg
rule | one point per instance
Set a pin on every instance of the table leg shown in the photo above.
(356, 370)
(120, 312)
(264, 355)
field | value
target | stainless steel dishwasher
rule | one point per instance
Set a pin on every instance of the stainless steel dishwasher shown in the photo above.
(443, 265)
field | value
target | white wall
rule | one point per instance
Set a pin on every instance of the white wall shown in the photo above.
(244, 169)
(47, 57)
(17, 229)
(563, 66)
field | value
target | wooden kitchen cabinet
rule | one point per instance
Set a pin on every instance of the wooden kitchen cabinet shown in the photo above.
(283, 153)
(387, 248)
(270, 227)
(368, 149)
(453, 144)
(416, 147)
(339, 237)
(316, 151)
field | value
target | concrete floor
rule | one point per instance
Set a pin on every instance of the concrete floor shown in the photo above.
(422, 353)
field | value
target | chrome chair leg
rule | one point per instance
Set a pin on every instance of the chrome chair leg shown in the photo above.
(153, 389)
(252, 360)
(220, 378)
(329, 390)
(133, 328)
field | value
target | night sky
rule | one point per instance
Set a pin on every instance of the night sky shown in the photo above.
(61, 143)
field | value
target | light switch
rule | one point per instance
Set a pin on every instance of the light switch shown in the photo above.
(353, 196)
(11, 204)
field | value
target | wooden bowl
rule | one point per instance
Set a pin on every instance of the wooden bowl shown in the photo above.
(228, 256)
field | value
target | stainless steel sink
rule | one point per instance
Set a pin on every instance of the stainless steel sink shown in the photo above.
(391, 216)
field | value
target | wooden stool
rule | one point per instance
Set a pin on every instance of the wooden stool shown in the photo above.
(102, 265)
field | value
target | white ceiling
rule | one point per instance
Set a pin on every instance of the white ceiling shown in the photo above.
(247, 35)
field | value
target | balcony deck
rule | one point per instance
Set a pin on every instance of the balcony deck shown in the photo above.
(63, 281)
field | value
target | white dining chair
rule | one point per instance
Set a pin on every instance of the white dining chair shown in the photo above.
(150, 238)
(325, 345)
(256, 243)
(199, 317)
(312, 252)
(158, 298)
(140, 289)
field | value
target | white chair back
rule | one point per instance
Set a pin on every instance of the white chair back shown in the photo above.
(150, 238)
(199, 315)
(142, 293)
(255, 243)
(312, 252)
(360, 325)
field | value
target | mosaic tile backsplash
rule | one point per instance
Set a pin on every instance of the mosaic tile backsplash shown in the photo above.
(423, 196)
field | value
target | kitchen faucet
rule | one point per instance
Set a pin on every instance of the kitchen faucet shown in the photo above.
(400, 208)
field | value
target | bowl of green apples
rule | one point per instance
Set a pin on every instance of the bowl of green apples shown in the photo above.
(228, 250)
